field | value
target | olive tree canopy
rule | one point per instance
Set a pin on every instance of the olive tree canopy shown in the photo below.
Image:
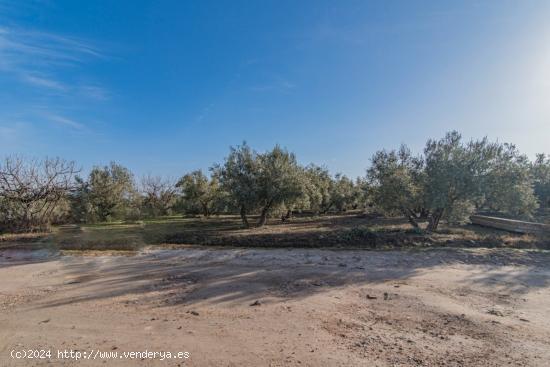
(201, 194)
(395, 182)
(108, 193)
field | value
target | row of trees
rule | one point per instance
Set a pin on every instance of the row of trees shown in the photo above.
(274, 182)
(450, 180)
(453, 178)
(247, 182)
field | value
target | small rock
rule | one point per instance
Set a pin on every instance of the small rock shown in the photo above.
(256, 303)
(524, 320)
(371, 297)
(495, 312)
(71, 281)
(193, 312)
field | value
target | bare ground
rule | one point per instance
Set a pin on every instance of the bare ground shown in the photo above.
(437, 307)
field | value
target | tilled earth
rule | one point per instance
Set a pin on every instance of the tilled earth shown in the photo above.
(279, 307)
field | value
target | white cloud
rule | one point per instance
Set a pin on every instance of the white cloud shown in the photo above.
(277, 84)
(43, 82)
(94, 91)
(43, 60)
(66, 121)
(44, 49)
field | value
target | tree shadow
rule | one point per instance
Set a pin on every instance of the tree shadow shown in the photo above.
(24, 255)
(194, 276)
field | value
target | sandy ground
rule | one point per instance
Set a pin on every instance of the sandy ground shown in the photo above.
(314, 307)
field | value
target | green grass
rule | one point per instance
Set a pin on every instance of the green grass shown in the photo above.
(134, 235)
(325, 231)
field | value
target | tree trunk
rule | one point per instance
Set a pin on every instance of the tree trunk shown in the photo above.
(244, 218)
(263, 218)
(424, 213)
(411, 217)
(263, 215)
(205, 211)
(434, 220)
(287, 216)
(325, 211)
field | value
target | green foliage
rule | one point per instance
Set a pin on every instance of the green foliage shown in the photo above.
(451, 180)
(396, 182)
(508, 185)
(316, 188)
(201, 194)
(479, 172)
(279, 180)
(261, 181)
(239, 178)
(108, 194)
(454, 173)
(343, 194)
(540, 172)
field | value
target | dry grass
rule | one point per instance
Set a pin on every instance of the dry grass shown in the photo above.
(350, 231)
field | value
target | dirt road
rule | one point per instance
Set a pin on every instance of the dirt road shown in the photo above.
(251, 307)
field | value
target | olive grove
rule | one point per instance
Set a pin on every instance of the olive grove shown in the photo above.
(449, 180)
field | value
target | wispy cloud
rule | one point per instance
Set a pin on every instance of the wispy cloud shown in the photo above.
(94, 91)
(204, 113)
(44, 82)
(43, 59)
(277, 84)
(23, 47)
(66, 121)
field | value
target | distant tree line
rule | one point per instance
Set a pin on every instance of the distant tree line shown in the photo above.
(450, 180)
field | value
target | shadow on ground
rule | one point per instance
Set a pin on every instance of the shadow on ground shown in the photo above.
(240, 276)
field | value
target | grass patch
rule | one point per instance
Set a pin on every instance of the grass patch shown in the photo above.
(337, 231)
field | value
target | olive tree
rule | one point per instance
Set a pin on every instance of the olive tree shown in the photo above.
(317, 186)
(200, 194)
(108, 193)
(540, 173)
(396, 183)
(458, 175)
(239, 178)
(343, 193)
(508, 185)
(261, 182)
(279, 180)
(454, 176)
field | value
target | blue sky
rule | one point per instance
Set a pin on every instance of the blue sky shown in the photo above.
(166, 87)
